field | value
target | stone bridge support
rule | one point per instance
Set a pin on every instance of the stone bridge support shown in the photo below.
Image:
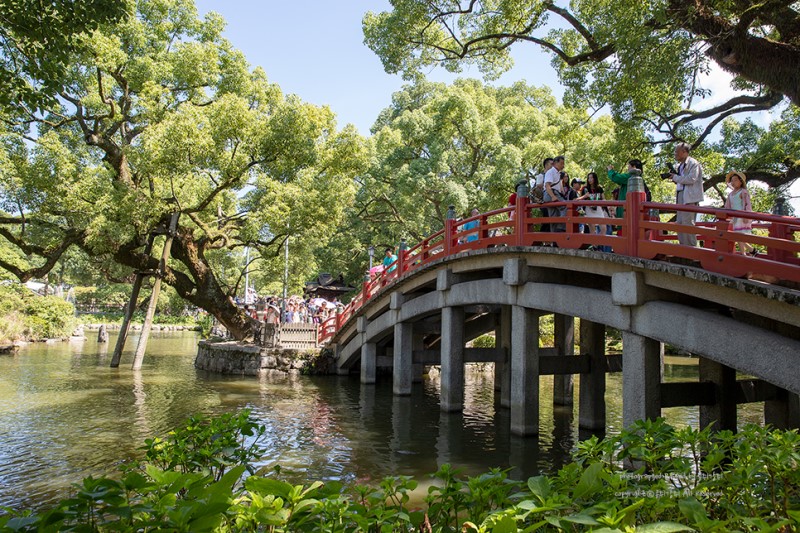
(784, 411)
(641, 380)
(502, 369)
(733, 325)
(592, 403)
(721, 413)
(564, 332)
(524, 371)
(452, 357)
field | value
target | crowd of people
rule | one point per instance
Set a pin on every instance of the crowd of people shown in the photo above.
(293, 310)
(553, 184)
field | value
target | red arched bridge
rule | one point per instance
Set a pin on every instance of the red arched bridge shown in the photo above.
(739, 313)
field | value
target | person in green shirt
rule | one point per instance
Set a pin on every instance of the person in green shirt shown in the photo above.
(635, 167)
(388, 259)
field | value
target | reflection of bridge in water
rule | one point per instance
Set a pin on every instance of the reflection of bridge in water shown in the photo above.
(446, 291)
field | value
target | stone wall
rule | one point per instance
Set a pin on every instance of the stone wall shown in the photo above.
(232, 357)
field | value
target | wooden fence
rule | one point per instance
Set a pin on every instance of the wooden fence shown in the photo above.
(298, 336)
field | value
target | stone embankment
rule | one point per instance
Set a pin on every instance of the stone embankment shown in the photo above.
(233, 357)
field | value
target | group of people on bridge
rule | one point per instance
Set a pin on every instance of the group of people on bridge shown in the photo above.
(293, 310)
(553, 184)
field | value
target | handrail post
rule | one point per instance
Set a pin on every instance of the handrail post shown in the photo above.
(449, 230)
(401, 258)
(633, 213)
(722, 243)
(522, 189)
(777, 231)
(519, 217)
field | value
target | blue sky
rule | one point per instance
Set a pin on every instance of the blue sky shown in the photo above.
(315, 49)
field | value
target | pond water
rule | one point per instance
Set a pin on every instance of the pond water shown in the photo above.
(65, 415)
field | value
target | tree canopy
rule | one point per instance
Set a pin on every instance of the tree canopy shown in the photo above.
(465, 144)
(645, 60)
(38, 39)
(159, 114)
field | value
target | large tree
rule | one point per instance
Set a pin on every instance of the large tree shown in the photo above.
(645, 60)
(159, 114)
(466, 145)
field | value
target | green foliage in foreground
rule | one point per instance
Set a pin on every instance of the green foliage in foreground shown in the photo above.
(25, 315)
(650, 478)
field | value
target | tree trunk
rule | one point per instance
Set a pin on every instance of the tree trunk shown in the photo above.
(770, 63)
(198, 286)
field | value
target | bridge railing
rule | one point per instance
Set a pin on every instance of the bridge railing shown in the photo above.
(645, 230)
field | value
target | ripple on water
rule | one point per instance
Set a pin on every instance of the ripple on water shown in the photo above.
(65, 415)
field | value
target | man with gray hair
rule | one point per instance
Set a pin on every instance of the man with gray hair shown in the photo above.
(689, 189)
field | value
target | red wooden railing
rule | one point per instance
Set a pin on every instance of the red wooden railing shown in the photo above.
(640, 235)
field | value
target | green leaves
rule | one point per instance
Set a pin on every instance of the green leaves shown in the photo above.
(650, 63)
(466, 145)
(159, 112)
(185, 497)
(39, 40)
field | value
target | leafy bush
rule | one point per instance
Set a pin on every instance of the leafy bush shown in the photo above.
(49, 316)
(12, 327)
(484, 341)
(117, 295)
(24, 314)
(649, 478)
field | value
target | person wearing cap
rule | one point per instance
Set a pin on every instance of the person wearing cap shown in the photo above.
(389, 259)
(739, 199)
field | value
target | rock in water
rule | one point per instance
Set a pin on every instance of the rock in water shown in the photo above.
(102, 334)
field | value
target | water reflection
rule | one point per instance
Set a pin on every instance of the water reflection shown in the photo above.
(64, 415)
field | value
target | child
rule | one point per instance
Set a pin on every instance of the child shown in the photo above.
(739, 199)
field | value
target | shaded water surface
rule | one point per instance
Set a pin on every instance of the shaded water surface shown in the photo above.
(65, 415)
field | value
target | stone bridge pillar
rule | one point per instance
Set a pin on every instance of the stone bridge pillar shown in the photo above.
(784, 412)
(524, 371)
(452, 346)
(641, 380)
(592, 403)
(502, 369)
(369, 356)
(402, 362)
(722, 414)
(564, 329)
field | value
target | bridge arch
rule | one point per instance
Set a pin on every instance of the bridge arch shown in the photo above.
(427, 316)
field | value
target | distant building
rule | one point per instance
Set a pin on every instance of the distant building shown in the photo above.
(328, 287)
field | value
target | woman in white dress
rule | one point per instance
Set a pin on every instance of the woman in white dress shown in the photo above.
(739, 199)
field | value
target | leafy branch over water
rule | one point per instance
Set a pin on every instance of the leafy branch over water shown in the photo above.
(651, 477)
